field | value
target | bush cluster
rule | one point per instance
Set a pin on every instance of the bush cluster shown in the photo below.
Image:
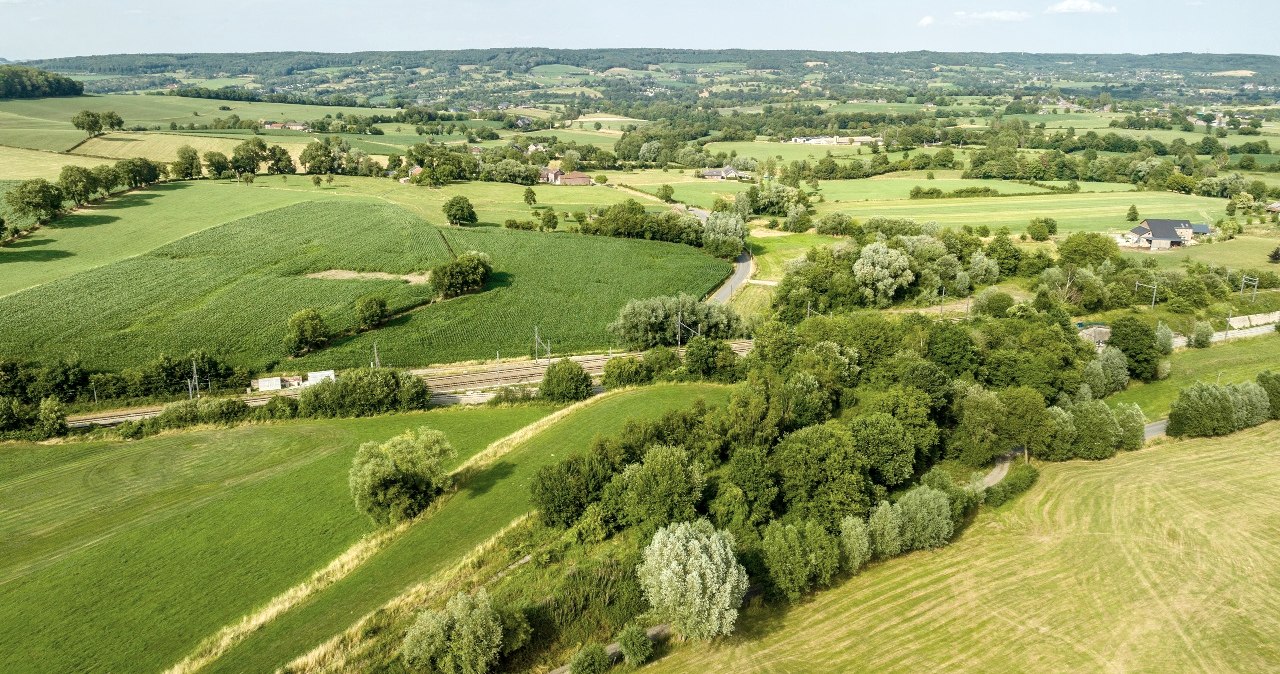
(1203, 409)
(1021, 477)
(364, 392)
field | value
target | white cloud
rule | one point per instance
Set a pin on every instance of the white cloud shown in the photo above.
(925, 21)
(995, 15)
(1080, 7)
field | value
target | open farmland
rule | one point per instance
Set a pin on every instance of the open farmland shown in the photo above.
(136, 550)
(161, 110)
(1094, 212)
(130, 224)
(230, 290)
(1242, 252)
(1158, 560)
(164, 146)
(20, 164)
(488, 502)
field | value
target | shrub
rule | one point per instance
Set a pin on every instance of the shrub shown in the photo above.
(561, 491)
(1270, 383)
(1020, 478)
(664, 487)
(885, 527)
(590, 659)
(635, 645)
(464, 638)
(306, 331)
(692, 579)
(565, 381)
(724, 235)
(397, 479)
(1201, 335)
(364, 392)
(370, 312)
(837, 224)
(51, 419)
(1249, 404)
(1201, 410)
(467, 273)
(799, 557)
(661, 361)
(710, 359)
(626, 371)
(646, 323)
(926, 518)
(855, 544)
(1132, 423)
(1164, 339)
(992, 302)
(1097, 433)
(279, 407)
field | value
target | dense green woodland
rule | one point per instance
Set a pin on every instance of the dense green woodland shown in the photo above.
(24, 82)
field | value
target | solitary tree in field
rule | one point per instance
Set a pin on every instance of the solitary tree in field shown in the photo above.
(370, 312)
(306, 331)
(397, 479)
(666, 193)
(458, 211)
(88, 121)
(1132, 215)
(316, 180)
(530, 197)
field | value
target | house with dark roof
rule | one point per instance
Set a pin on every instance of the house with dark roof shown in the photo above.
(1200, 229)
(1162, 234)
(726, 173)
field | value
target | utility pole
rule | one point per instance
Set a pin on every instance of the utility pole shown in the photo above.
(377, 362)
(1246, 280)
(942, 298)
(1139, 284)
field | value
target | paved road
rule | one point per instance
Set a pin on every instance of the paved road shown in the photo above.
(742, 268)
(1180, 341)
(1155, 429)
(1151, 431)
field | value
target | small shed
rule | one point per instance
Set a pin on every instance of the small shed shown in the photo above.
(269, 384)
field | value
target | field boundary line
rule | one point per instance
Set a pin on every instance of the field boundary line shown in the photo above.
(213, 647)
(332, 655)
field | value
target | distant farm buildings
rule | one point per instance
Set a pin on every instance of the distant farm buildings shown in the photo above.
(836, 140)
(726, 173)
(557, 177)
(298, 381)
(286, 126)
(1158, 234)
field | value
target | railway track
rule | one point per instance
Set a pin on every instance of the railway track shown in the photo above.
(449, 384)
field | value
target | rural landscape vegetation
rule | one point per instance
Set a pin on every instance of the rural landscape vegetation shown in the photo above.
(588, 360)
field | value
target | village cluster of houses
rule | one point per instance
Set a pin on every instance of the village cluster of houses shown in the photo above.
(836, 140)
(1154, 234)
(288, 382)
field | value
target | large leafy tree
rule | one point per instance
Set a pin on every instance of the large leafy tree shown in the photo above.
(37, 199)
(823, 474)
(77, 184)
(692, 579)
(397, 479)
(1137, 341)
(459, 211)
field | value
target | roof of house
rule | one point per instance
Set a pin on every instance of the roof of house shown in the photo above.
(1165, 230)
(1201, 229)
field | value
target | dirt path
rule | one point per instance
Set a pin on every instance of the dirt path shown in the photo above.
(347, 275)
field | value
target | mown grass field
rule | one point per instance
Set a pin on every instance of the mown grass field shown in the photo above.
(1158, 560)
(1242, 252)
(491, 500)
(164, 146)
(133, 551)
(20, 164)
(1095, 212)
(161, 110)
(774, 249)
(230, 291)
(1236, 361)
(131, 224)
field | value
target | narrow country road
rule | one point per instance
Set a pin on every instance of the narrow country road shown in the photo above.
(1155, 429)
(993, 477)
(742, 268)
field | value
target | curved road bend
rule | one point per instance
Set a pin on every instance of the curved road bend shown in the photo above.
(741, 274)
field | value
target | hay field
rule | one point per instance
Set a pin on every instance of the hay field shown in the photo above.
(1159, 560)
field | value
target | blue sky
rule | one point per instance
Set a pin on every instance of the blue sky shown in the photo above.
(47, 28)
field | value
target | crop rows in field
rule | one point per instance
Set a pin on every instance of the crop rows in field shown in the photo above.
(230, 291)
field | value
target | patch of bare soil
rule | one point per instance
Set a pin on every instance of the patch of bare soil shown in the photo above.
(348, 275)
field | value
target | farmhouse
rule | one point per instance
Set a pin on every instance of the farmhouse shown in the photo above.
(1274, 208)
(726, 173)
(1165, 234)
(413, 172)
(550, 176)
(575, 178)
(286, 126)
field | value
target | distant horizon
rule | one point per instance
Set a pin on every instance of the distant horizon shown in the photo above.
(692, 49)
(44, 29)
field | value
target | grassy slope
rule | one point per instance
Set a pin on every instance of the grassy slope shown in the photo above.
(134, 551)
(1242, 252)
(130, 225)
(20, 164)
(1236, 361)
(1157, 560)
(495, 497)
(181, 296)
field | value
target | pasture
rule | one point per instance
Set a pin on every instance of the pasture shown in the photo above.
(484, 505)
(1225, 362)
(230, 291)
(1242, 252)
(774, 249)
(149, 110)
(1157, 560)
(164, 146)
(134, 551)
(1085, 211)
